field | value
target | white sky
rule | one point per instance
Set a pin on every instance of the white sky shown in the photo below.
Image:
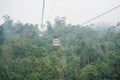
(76, 11)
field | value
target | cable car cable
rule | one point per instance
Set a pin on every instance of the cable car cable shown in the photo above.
(42, 13)
(100, 15)
(42, 17)
(52, 10)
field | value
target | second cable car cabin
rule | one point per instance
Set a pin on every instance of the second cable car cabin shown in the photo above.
(40, 35)
(56, 42)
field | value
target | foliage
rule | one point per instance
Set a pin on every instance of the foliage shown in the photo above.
(85, 53)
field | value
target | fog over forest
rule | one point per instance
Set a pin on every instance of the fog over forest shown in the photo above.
(62, 52)
(62, 46)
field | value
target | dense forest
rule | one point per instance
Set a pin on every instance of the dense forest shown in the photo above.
(85, 53)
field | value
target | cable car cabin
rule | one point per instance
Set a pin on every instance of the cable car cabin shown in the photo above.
(40, 35)
(56, 42)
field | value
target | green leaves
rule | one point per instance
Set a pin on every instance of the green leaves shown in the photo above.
(1, 34)
(89, 72)
(81, 56)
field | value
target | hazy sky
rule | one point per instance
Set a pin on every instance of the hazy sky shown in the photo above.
(76, 11)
